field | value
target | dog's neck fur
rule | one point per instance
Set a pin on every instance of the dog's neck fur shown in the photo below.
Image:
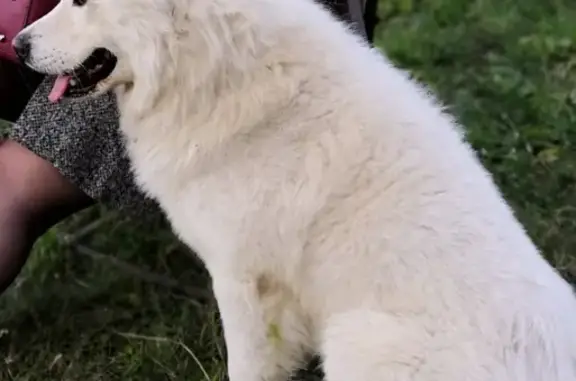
(206, 55)
(249, 62)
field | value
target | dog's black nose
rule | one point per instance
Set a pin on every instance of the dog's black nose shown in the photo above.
(21, 45)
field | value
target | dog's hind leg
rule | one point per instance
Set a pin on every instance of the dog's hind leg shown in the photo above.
(369, 346)
(265, 335)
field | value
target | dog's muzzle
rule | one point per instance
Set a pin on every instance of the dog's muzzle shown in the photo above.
(83, 80)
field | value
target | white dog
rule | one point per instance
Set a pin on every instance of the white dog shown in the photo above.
(336, 206)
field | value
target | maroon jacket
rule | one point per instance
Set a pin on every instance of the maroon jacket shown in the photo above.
(15, 15)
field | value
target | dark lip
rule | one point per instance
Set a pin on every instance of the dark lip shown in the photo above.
(97, 67)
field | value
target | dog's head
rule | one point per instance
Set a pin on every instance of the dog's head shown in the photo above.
(97, 44)
(147, 46)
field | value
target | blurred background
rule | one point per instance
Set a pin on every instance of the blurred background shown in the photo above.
(106, 298)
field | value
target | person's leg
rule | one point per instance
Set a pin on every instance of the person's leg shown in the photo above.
(60, 157)
(33, 194)
(33, 197)
(55, 157)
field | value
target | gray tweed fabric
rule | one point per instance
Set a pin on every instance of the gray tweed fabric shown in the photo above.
(81, 138)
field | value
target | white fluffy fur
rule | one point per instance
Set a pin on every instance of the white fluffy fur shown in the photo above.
(336, 206)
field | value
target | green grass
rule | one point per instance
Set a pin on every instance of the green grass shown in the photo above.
(4, 126)
(506, 68)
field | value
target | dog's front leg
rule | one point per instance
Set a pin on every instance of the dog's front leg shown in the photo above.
(255, 346)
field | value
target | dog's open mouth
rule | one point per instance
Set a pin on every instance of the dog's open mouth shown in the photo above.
(83, 80)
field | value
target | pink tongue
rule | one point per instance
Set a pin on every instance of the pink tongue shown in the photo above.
(59, 88)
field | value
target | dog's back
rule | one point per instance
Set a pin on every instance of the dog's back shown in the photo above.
(423, 272)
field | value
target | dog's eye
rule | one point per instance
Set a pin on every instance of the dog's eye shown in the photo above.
(79, 2)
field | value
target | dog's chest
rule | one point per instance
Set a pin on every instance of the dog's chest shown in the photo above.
(225, 193)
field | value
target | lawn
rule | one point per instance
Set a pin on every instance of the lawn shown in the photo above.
(106, 298)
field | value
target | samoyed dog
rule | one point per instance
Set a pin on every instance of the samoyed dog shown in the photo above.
(338, 208)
